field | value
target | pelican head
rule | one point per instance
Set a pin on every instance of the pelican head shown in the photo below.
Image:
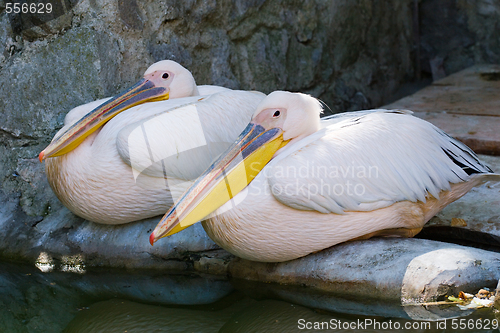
(162, 80)
(281, 118)
(177, 80)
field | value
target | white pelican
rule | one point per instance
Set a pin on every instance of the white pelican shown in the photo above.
(99, 166)
(353, 176)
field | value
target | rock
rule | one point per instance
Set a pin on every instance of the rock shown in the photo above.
(447, 271)
(212, 262)
(409, 271)
(62, 235)
(459, 33)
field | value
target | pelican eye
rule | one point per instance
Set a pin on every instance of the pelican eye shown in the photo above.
(165, 76)
(276, 114)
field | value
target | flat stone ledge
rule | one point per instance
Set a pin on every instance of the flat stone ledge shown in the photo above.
(62, 237)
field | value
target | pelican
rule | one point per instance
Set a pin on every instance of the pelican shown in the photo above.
(107, 164)
(291, 184)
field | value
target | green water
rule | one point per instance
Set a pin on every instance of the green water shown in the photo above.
(78, 300)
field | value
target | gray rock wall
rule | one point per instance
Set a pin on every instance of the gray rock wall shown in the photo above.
(456, 34)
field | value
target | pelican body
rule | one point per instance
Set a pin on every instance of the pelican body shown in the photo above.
(292, 184)
(127, 158)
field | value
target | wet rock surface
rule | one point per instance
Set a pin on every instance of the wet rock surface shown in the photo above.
(409, 271)
(450, 32)
(63, 235)
(352, 55)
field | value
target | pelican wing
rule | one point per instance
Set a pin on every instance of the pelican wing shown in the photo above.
(210, 90)
(367, 161)
(182, 141)
(336, 118)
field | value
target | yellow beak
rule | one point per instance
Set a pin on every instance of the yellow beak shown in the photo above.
(223, 180)
(143, 91)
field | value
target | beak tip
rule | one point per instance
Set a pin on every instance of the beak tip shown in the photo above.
(152, 238)
(41, 156)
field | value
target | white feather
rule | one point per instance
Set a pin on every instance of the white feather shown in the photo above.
(96, 181)
(368, 162)
(413, 162)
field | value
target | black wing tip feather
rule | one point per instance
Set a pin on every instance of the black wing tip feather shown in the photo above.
(467, 154)
(469, 169)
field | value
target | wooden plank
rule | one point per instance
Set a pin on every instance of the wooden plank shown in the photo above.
(466, 105)
(473, 91)
(480, 133)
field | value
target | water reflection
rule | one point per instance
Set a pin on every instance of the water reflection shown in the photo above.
(243, 316)
(119, 301)
(366, 307)
(33, 301)
(45, 263)
(69, 264)
(118, 315)
(277, 316)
